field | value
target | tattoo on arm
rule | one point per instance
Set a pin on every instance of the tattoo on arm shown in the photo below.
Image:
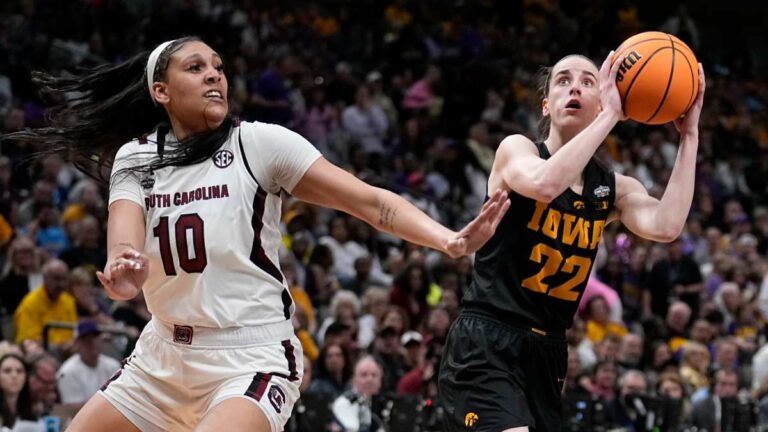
(126, 244)
(387, 216)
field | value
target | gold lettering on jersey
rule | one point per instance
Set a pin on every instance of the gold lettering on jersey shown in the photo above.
(573, 228)
(202, 193)
(552, 223)
(533, 224)
(597, 232)
(584, 233)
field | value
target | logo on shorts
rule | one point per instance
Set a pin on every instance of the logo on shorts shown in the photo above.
(223, 158)
(182, 334)
(276, 397)
(470, 419)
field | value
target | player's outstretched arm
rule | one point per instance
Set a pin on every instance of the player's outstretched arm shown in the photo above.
(663, 220)
(127, 267)
(328, 185)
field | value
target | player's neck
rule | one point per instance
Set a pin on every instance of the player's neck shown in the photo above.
(557, 138)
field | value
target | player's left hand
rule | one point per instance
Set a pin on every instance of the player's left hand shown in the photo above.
(477, 232)
(689, 122)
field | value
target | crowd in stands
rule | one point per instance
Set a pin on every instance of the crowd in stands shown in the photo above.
(413, 96)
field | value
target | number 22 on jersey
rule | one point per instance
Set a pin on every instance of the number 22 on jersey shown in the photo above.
(551, 260)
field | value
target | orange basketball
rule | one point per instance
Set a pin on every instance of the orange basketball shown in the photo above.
(658, 79)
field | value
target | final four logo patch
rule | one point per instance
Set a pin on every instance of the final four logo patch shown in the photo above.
(602, 191)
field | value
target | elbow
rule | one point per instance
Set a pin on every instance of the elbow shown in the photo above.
(670, 234)
(546, 191)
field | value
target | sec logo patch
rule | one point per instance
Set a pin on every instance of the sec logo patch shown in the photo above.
(223, 158)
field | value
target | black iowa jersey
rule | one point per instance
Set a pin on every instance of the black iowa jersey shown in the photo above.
(534, 269)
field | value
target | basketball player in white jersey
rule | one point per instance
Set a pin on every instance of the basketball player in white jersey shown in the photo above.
(194, 222)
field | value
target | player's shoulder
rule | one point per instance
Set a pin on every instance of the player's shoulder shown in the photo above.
(516, 145)
(267, 130)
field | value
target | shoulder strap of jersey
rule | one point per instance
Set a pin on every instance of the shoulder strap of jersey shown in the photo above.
(543, 150)
(600, 181)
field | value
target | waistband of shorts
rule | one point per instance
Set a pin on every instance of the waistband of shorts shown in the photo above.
(509, 321)
(229, 336)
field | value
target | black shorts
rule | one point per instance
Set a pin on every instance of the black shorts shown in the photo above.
(495, 376)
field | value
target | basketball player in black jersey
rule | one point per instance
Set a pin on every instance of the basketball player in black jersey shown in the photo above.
(504, 364)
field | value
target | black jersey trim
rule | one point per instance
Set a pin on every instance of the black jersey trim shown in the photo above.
(258, 255)
(242, 153)
(290, 356)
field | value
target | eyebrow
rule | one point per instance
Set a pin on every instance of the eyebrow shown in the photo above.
(568, 71)
(199, 56)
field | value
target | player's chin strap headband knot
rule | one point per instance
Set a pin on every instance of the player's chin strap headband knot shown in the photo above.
(152, 63)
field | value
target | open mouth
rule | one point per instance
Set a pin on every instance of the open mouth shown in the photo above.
(214, 94)
(573, 104)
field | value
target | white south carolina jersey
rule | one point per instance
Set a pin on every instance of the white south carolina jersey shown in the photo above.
(212, 229)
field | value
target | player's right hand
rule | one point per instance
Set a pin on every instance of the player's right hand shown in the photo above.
(124, 275)
(609, 93)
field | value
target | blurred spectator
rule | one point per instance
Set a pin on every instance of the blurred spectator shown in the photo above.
(43, 383)
(15, 395)
(81, 376)
(321, 282)
(319, 122)
(49, 236)
(42, 196)
(353, 408)
(270, 97)
(575, 336)
(623, 410)
(334, 369)
(598, 320)
(85, 199)
(410, 291)
(707, 412)
(631, 351)
(21, 274)
(375, 301)
(602, 383)
(344, 250)
(387, 351)
(422, 94)
(671, 386)
(88, 249)
(345, 308)
(694, 366)
(46, 304)
(676, 277)
(367, 125)
(678, 316)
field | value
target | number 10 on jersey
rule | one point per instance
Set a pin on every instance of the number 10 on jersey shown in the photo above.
(185, 222)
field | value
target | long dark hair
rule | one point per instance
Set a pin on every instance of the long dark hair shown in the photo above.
(24, 404)
(543, 76)
(93, 113)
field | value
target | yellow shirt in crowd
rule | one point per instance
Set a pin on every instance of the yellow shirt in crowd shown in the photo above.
(37, 309)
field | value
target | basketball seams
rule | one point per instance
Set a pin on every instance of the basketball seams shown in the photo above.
(637, 74)
(669, 80)
(668, 99)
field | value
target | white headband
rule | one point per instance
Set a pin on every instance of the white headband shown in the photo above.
(151, 63)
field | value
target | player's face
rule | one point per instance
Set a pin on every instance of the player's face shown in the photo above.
(196, 88)
(574, 95)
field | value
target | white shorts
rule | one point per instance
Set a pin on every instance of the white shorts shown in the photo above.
(177, 374)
